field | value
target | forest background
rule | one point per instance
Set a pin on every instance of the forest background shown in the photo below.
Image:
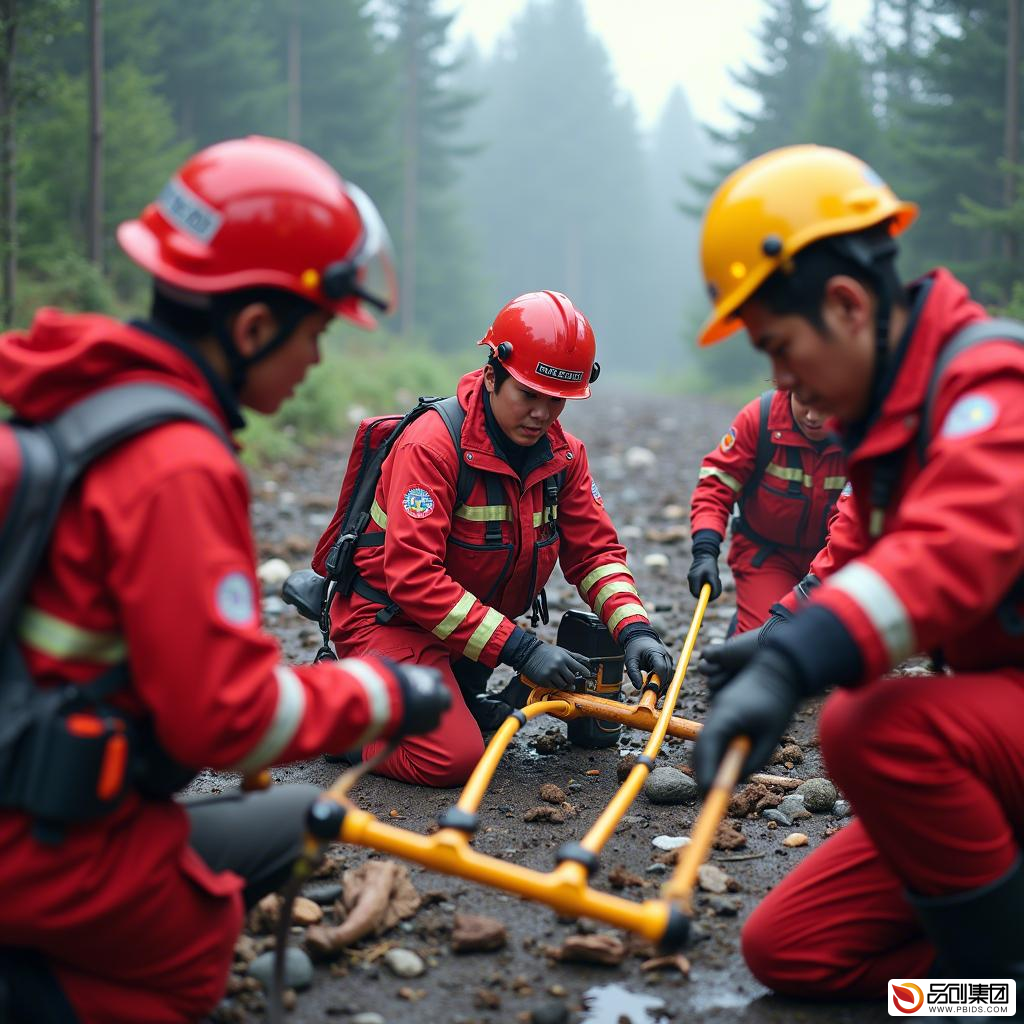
(497, 174)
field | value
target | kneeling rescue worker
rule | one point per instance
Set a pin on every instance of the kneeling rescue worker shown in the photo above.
(780, 465)
(926, 555)
(254, 246)
(440, 580)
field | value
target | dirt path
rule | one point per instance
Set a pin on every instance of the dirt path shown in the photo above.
(520, 983)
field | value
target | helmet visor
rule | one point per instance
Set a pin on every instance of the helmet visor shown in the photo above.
(373, 261)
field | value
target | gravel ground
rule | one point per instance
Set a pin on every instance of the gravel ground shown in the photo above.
(644, 454)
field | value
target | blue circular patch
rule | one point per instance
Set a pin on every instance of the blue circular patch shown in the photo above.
(235, 599)
(418, 502)
(970, 415)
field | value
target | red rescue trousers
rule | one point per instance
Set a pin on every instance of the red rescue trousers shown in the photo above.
(934, 768)
(446, 756)
(758, 587)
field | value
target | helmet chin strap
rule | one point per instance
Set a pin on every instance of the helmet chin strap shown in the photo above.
(238, 365)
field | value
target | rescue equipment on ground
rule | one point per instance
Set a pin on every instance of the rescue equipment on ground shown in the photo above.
(333, 817)
(584, 633)
(310, 593)
(67, 754)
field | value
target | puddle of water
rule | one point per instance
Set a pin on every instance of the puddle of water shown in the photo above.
(716, 990)
(613, 1004)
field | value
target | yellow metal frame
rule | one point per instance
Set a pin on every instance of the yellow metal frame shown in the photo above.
(566, 888)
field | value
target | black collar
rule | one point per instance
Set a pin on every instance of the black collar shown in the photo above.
(226, 398)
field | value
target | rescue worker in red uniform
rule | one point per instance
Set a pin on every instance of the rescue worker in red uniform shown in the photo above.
(784, 505)
(457, 575)
(254, 246)
(926, 554)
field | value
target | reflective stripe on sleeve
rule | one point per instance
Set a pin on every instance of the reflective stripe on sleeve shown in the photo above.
(600, 572)
(625, 612)
(726, 478)
(603, 593)
(478, 641)
(455, 617)
(880, 604)
(378, 515)
(835, 483)
(291, 706)
(376, 690)
(61, 639)
(485, 513)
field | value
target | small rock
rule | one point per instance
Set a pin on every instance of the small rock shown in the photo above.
(639, 458)
(404, 963)
(603, 948)
(619, 877)
(273, 572)
(793, 807)
(668, 786)
(795, 839)
(723, 906)
(712, 878)
(752, 799)
(486, 999)
(273, 605)
(656, 561)
(473, 933)
(306, 912)
(789, 754)
(675, 512)
(324, 894)
(657, 869)
(728, 837)
(819, 795)
(670, 842)
(773, 814)
(545, 813)
(367, 1017)
(549, 1013)
(552, 794)
(625, 766)
(298, 969)
(842, 809)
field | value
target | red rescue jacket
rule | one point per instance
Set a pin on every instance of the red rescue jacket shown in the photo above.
(152, 560)
(436, 563)
(937, 568)
(790, 504)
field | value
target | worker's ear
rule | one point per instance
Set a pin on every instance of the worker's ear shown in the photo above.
(253, 327)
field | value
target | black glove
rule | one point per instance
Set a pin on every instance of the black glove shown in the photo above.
(720, 663)
(644, 650)
(547, 665)
(704, 567)
(425, 698)
(758, 703)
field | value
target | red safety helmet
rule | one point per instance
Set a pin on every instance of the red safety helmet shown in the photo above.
(546, 344)
(259, 212)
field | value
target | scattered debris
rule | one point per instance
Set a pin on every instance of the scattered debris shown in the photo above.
(752, 799)
(375, 897)
(670, 842)
(795, 839)
(602, 948)
(619, 877)
(711, 878)
(790, 754)
(676, 961)
(474, 933)
(729, 836)
(552, 794)
(544, 812)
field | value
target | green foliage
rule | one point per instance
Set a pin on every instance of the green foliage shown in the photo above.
(359, 376)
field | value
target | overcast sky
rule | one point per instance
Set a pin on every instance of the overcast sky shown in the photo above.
(655, 44)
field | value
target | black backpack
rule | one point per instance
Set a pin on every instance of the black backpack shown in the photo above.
(54, 763)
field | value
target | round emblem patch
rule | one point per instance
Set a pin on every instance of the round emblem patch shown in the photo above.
(418, 502)
(728, 439)
(596, 493)
(847, 490)
(235, 600)
(970, 415)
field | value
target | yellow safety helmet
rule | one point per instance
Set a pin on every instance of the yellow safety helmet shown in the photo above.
(777, 204)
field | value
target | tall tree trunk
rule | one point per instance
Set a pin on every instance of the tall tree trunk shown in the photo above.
(295, 72)
(8, 199)
(1011, 142)
(410, 172)
(94, 229)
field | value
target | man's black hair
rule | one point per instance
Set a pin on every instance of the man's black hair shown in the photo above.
(869, 256)
(500, 373)
(192, 316)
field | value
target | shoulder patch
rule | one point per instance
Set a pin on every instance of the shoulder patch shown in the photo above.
(235, 599)
(728, 439)
(418, 502)
(970, 415)
(596, 493)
